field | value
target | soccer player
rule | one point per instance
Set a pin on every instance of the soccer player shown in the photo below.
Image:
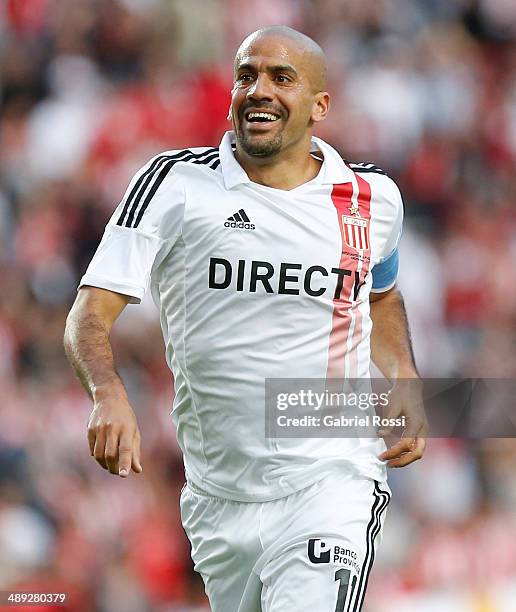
(269, 257)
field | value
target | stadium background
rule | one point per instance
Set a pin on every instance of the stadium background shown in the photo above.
(89, 90)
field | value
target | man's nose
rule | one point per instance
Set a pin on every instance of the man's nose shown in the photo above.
(260, 89)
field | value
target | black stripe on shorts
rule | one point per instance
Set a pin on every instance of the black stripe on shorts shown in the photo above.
(380, 503)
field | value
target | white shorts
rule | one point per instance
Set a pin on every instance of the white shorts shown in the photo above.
(312, 550)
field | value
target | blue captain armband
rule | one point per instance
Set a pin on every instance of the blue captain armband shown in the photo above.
(385, 273)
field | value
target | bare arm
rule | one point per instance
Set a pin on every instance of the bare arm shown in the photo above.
(391, 350)
(113, 435)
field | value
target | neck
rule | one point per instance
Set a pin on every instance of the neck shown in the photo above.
(286, 170)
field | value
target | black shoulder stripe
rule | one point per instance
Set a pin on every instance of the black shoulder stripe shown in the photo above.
(161, 176)
(365, 167)
(157, 178)
(155, 170)
(144, 180)
(376, 171)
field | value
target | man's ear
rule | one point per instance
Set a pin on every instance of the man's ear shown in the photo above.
(321, 106)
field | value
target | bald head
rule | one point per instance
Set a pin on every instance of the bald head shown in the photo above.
(311, 54)
(278, 94)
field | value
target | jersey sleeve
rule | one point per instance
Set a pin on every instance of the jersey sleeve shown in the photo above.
(385, 271)
(141, 232)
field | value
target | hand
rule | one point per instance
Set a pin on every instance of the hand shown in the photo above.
(406, 399)
(113, 434)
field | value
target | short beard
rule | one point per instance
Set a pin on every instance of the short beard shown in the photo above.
(260, 149)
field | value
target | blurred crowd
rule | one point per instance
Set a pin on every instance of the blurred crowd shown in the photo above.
(89, 90)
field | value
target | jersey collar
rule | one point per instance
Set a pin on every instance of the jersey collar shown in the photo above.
(333, 170)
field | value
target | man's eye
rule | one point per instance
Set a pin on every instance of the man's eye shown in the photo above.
(245, 77)
(282, 78)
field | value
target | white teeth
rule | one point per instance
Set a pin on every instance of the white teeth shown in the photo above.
(266, 116)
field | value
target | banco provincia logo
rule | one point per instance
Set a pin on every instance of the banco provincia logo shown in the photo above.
(318, 551)
(333, 551)
(239, 221)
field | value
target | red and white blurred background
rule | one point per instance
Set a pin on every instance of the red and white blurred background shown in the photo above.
(89, 90)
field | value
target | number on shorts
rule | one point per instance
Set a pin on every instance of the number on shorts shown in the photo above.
(342, 576)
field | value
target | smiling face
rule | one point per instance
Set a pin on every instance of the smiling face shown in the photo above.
(277, 94)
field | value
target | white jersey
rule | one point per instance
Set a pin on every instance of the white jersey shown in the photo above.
(253, 283)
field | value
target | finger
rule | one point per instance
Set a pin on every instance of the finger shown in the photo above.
(136, 460)
(125, 452)
(386, 429)
(111, 451)
(99, 448)
(409, 457)
(403, 446)
(92, 436)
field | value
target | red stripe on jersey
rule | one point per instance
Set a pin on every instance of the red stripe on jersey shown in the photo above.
(349, 233)
(345, 312)
(341, 318)
(364, 207)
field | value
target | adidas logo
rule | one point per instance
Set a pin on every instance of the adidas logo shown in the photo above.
(239, 220)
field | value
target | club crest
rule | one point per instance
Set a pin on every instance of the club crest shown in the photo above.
(355, 232)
